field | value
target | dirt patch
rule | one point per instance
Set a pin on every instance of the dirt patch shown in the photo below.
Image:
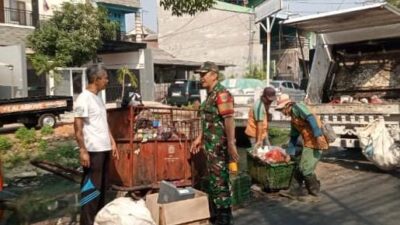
(64, 131)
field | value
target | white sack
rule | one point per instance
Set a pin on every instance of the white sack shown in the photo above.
(124, 211)
(378, 146)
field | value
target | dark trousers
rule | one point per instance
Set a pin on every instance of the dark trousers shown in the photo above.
(93, 186)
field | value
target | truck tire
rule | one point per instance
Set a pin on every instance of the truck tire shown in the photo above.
(47, 119)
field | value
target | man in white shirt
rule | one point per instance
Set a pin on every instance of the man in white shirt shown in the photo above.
(95, 143)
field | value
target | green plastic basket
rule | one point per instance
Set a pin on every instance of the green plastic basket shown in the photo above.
(240, 185)
(271, 176)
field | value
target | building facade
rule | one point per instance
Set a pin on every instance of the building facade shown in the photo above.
(225, 34)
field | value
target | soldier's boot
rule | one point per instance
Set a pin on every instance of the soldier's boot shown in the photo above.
(223, 217)
(295, 189)
(313, 187)
(213, 212)
(312, 184)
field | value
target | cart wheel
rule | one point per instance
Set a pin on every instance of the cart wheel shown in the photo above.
(47, 119)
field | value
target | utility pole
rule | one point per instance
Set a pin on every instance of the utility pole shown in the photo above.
(268, 30)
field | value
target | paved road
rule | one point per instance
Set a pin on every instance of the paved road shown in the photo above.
(353, 192)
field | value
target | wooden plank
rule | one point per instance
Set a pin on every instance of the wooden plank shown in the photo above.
(319, 71)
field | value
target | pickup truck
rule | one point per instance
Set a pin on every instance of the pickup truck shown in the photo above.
(34, 111)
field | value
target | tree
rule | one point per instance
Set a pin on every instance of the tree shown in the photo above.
(124, 73)
(191, 7)
(256, 72)
(394, 2)
(71, 37)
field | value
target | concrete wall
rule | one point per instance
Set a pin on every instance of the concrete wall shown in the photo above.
(140, 60)
(53, 5)
(134, 60)
(14, 34)
(13, 80)
(216, 35)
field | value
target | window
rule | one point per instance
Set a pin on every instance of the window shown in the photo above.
(285, 84)
(296, 86)
(18, 12)
(288, 85)
(199, 85)
(193, 85)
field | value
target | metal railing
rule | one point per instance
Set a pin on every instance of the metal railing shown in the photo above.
(18, 17)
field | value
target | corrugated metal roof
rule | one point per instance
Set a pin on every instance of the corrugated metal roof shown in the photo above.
(354, 18)
(129, 3)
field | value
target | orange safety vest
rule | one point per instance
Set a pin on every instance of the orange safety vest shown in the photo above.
(306, 133)
(251, 127)
(1, 178)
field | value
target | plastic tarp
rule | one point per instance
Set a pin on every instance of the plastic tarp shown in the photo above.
(378, 145)
(124, 211)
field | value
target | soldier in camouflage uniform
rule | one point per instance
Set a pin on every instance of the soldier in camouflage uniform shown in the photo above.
(218, 140)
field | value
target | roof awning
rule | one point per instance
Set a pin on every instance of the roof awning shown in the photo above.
(351, 25)
(348, 19)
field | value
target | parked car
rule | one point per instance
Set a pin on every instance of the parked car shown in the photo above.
(184, 92)
(288, 87)
(243, 90)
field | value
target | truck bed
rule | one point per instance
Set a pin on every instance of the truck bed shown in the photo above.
(365, 109)
(22, 105)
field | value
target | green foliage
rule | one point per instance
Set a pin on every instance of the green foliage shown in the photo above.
(394, 2)
(124, 73)
(64, 154)
(191, 7)
(71, 37)
(256, 72)
(42, 145)
(5, 143)
(221, 76)
(25, 135)
(46, 130)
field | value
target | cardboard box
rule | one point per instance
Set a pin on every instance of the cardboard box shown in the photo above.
(186, 212)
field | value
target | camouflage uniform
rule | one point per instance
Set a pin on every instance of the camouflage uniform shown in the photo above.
(218, 105)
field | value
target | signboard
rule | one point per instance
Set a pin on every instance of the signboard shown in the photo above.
(267, 8)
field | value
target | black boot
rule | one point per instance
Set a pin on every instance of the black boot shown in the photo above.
(223, 217)
(296, 187)
(312, 184)
(213, 211)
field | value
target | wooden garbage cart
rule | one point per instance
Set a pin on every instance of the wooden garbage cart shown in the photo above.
(153, 145)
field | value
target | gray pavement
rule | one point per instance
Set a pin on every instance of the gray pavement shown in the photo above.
(353, 192)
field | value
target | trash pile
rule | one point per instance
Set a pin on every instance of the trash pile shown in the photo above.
(271, 154)
(374, 99)
(150, 126)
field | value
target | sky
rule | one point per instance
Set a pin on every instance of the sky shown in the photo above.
(294, 7)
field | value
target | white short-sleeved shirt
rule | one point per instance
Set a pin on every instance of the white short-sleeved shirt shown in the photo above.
(91, 108)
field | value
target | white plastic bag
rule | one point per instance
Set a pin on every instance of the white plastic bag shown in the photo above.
(124, 211)
(378, 146)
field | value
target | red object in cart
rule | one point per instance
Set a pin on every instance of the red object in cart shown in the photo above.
(153, 145)
(1, 177)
